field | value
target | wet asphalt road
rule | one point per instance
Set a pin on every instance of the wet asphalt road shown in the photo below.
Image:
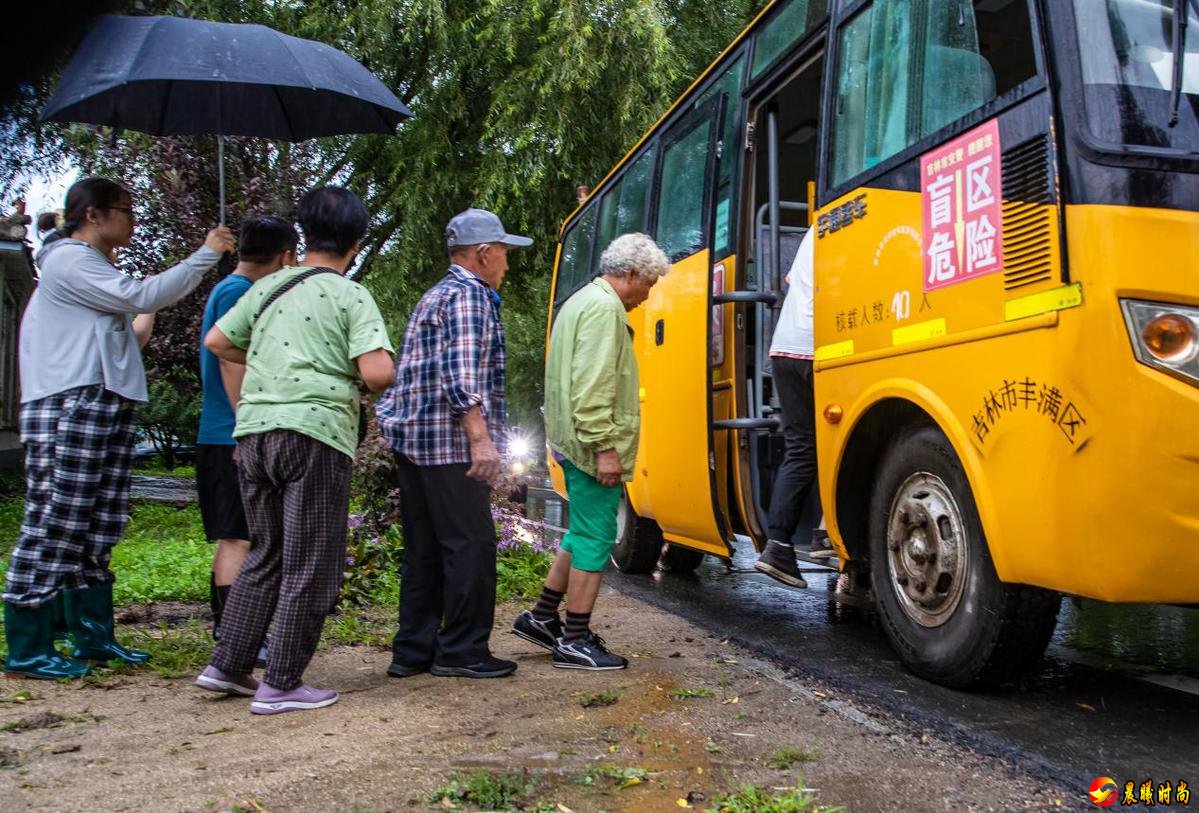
(1095, 706)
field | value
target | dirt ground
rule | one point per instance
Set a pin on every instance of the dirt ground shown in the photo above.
(146, 743)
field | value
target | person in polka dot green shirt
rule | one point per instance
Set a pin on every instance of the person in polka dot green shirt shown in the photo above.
(305, 352)
(300, 371)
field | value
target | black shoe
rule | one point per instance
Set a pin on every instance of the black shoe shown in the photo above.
(531, 628)
(403, 670)
(491, 667)
(263, 649)
(778, 562)
(588, 652)
(822, 547)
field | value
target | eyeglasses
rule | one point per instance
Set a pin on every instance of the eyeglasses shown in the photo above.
(128, 209)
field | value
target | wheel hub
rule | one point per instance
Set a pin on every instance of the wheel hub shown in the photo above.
(926, 549)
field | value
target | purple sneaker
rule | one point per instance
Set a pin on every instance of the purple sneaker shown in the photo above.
(214, 680)
(269, 700)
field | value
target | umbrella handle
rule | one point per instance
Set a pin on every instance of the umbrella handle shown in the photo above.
(220, 151)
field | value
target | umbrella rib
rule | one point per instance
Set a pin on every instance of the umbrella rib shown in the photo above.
(286, 116)
(162, 116)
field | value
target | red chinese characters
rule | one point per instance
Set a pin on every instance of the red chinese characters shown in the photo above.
(961, 192)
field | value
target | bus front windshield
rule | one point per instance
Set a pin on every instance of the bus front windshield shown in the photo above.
(1127, 55)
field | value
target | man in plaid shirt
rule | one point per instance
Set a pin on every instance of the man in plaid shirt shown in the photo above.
(443, 417)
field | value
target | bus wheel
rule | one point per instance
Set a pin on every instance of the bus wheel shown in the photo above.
(638, 540)
(943, 607)
(677, 559)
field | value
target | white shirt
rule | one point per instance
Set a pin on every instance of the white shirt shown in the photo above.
(794, 335)
(78, 326)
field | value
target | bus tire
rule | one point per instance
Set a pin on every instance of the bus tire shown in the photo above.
(638, 540)
(942, 605)
(680, 560)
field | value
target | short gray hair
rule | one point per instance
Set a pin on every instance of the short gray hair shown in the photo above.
(634, 252)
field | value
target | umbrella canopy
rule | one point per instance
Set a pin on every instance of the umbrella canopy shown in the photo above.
(175, 76)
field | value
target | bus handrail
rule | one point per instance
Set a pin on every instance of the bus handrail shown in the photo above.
(748, 424)
(760, 297)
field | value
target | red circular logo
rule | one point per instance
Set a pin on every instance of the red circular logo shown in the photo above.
(1103, 792)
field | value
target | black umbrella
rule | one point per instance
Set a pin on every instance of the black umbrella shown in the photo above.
(174, 76)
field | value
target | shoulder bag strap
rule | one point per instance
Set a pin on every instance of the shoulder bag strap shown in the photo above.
(287, 286)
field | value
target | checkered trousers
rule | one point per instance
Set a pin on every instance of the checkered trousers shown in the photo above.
(296, 492)
(78, 469)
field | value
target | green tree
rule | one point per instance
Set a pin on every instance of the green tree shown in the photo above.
(516, 103)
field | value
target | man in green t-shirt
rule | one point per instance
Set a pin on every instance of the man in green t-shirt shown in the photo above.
(307, 335)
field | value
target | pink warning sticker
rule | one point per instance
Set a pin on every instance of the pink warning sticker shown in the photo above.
(961, 185)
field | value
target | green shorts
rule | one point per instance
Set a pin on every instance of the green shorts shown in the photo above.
(593, 508)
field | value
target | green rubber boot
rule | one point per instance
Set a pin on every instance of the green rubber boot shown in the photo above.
(31, 645)
(58, 619)
(89, 617)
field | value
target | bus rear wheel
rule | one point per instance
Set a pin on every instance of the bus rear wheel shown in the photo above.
(679, 560)
(943, 607)
(638, 540)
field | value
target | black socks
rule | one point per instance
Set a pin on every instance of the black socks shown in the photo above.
(547, 604)
(576, 625)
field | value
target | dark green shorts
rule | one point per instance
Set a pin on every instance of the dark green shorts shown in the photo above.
(593, 510)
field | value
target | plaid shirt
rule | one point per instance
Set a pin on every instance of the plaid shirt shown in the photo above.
(452, 361)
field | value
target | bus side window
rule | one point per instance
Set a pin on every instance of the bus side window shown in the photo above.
(728, 83)
(575, 266)
(907, 68)
(623, 208)
(681, 193)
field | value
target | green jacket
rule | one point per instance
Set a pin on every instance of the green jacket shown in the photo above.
(591, 388)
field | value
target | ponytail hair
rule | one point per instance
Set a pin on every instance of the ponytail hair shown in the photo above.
(88, 193)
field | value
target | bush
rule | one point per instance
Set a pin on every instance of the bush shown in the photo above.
(172, 415)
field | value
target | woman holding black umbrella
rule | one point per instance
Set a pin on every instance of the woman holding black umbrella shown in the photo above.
(81, 380)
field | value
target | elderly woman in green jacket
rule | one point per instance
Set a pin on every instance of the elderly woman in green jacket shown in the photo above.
(592, 424)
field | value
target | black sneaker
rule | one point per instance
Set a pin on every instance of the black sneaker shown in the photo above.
(491, 667)
(588, 652)
(403, 670)
(533, 629)
(822, 547)
(778, 562)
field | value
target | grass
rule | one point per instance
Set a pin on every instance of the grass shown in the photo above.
(163, 556)
(156, 469)
(623, 778)
(787, 755)
(372, 626)
(752, 799)
(485, 790)
(689, 694)
(605, 698)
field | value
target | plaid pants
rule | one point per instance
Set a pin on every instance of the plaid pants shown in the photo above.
(296, 492)
(78, 469)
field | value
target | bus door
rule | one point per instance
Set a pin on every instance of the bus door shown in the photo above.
(675, 480)
(779, 190)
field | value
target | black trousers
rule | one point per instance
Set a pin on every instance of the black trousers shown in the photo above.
(797, 475)
(447, 580)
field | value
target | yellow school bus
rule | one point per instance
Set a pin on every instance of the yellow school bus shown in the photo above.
(1005, 195)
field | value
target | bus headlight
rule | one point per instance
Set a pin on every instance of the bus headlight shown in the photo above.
(1164, 336)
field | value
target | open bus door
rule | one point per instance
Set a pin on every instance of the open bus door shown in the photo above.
(674, 495)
